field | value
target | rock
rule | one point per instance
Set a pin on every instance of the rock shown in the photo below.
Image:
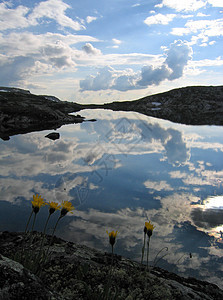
(75, 271)
(53, 136)
(16, 282)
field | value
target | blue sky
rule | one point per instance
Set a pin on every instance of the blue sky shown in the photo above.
(107, 50)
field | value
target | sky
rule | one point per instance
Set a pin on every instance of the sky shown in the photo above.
(110, 50)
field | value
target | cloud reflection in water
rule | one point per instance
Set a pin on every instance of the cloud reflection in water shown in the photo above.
(119, 171)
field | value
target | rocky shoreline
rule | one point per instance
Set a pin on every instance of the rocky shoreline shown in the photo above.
(23, 112)
(78, 272)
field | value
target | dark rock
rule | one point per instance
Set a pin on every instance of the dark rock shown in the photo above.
(23, 112)
(16, 282)
(75, 271)
(53, 136)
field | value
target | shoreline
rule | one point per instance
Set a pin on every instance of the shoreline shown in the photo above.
(23, 112)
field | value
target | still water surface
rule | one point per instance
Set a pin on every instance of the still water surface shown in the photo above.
(118, 172)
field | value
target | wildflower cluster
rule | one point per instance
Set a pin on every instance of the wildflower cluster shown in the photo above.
(66, 207)
(37, 203)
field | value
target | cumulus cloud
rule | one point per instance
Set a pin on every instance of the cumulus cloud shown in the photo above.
(25, 54)
(89, 49)
(13, 18)
(151, 75)
(177, 57)
(102, 81)
(159, 19)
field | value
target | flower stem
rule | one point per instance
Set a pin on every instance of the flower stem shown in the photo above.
(53, 235)
(28, 221)
(147, 260)
(143, 248)
(34, 220)
(44, 234)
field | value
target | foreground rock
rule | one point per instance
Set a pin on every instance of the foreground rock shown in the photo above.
(23, 112)
(78, 272)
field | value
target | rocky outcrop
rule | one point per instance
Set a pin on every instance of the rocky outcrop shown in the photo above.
(17, 282)
(22, 112)
(195, 105)
(75, 271)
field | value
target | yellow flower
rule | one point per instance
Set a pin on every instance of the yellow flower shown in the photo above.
(37, 203)
(66, 207)
(112, 236)
(53, 207)
(149, 228)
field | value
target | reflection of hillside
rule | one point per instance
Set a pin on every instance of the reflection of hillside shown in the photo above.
(193, 105)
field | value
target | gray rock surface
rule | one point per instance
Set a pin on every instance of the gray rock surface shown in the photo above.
(17, 282)
(78, 272)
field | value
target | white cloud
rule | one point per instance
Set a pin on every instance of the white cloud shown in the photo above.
(90, 19)
(177, 57)
(89, 49)
(22, 17)
(117, 42)
(183, 5)
(13, 18)
(216, 3)
(202, 28)
(159, 19)
(102, 81)
(202, 15)
(55, 10)
(25, 54)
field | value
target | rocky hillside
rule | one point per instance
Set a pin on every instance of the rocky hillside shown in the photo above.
(194, 105)
(22, 112)
(75, 271)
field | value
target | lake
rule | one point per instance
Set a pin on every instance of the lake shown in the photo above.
(119, 172)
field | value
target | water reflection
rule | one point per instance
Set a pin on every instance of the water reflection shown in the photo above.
(118, 172)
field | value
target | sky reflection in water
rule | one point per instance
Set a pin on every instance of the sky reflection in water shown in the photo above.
(119, 171)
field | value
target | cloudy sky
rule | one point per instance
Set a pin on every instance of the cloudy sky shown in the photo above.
(100, 51)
